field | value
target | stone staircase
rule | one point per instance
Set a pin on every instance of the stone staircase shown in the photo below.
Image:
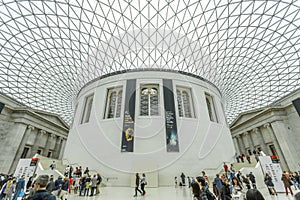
(240, 165)
(44, 168)
(46, 162)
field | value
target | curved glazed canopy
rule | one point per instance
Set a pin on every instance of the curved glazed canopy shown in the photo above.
(50, 49)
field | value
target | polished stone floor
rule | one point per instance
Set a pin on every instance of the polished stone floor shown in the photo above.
(161, 193)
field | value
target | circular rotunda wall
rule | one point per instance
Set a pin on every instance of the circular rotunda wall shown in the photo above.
(160, 122)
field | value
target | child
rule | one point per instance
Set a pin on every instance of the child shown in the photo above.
(87, 188)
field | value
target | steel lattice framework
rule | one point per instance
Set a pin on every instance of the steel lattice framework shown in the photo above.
(49, 49)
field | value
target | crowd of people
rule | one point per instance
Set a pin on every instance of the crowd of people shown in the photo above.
(83, 184)
(235, 185)
(229, 185)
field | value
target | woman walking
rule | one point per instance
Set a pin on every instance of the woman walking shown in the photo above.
(143, 183)
(287, 185)
(270, 184)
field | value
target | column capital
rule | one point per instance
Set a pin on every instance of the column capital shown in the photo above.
(246, 133)
(30, 127)
(238, 136)
(255, 130)
(267, 125)
(43, 132)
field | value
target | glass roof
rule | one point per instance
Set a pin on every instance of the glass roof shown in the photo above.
(49, 49)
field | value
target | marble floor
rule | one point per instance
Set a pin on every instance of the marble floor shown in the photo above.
(161, 193)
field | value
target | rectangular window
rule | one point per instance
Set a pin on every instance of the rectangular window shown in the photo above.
(211, 108)
(113, 103)
(25, 152)
(249, 152)
(49, 154)
(273, 150)
(87, 109)
(149, 100)
(185, 103)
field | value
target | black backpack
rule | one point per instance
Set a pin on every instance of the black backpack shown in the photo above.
(47, 196)
(210, 195)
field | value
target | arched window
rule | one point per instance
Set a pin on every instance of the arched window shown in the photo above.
(149, 101)
(114, 103)
(211, 108)
(184, 102)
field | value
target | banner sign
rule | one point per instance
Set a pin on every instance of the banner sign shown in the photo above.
(128, 120)
(274, 170)
(26, 167)
(170, 117)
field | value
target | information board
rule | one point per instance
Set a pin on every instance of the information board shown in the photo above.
(274, 170)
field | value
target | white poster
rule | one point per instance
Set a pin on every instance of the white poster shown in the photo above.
(26, 167)
(274, 170)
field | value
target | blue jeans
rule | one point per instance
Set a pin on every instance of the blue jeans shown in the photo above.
(16, 195)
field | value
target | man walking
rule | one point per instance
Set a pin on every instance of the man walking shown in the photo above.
(40, 188)
(20, 185)
(99, 180)
(137, 184)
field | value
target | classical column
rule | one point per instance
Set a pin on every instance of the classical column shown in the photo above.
(281, 133)
(47, 145)
(261, 140)
(251, 143)
(236, 145)
(245, 140)
(56, 147)
(277, 146)
(62, 149)
(241, 144)
(30, 128)
(23, 142)
(37, 138)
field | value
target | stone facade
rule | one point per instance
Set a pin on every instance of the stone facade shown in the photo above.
(25, 132)
(274, 129)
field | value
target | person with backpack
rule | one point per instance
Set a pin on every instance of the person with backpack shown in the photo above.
(196, 191)
(205, 194)
(218, 183)
(40, 187)
(20, 186)
(225, 191)
(99, 180)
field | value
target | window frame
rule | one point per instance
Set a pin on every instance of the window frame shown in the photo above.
(150, 86)
(214, 116)
(87, 109)
(25, 152)
(188, 90)
(109, 91)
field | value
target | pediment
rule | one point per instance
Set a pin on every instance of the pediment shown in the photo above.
(242, 117)
(52, 117)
